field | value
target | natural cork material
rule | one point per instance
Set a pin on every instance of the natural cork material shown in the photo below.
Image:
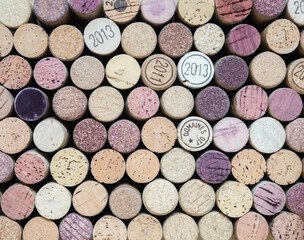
(9, 229)
(109, 227)
(121, 13)
(6, 103)
(7, 167)
(6, 41)
(294, 75)
(40, 228)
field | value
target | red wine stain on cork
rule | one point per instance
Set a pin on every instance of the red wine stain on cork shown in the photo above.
(50, 11)
(295, 135)
(295, 199)
(235, 10)
(269, 8)
(85, 6)
(7, 167)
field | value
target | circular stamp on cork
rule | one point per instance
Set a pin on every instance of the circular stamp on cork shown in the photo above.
(121, 11)
(295, 11)
(295, 75)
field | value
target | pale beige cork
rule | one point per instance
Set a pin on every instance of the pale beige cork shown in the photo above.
(294, 77)
(9, 229)
(6, 103)
(121, 15)
(109, 227)
(6, 41)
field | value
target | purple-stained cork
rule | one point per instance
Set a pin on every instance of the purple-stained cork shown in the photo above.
(89, 135)
(269, 8)
(213, 167)
(31, 104)
(231, 72)
(85, 6)
(244, 40)
(76, 227)
(50, 73)
(7, 167)
(295, 199)
(212, 103)
(124, 136)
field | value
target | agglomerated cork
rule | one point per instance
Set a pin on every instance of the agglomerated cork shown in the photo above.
(6, 41)
(87, 72)
(7, 167)
(267, 70)
(9, 229)
(294, 12)
(295, 198)
(6, 103)
(109, 227)
(90, 198)
(294, 75)
(284, 167)
(40, 228)
(264, 11)
(121, 12)
(86, 9)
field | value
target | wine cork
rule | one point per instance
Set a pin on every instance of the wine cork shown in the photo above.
(138, 40)
(177, 102)
(248, 166)
(215, 225)
(87, 73)
(69, 103)
(251, 226)
(109, 227)
(86, 9)
(294, 11)
(6, 103)
(180, 226)
(108, 166)
(160, 197)
(157, 12)
(268, 198)
(177, 165)
(75, 226)
(53, 201)
(295, 198)
(232, 12)
(102, 36)
(16, 135)
(267, 70)
(66, 170)
(31, 41)
(123, 71)
(234, 199)
(284, 167)
(40, 228)
(9, 229)
(230, 134)
(231, 72)
(195, 70)
(90, 198)
(52, 13)
(124, 136)
(243, 40)
(142, 166)
(50, 73)
(212, 103)
(106, 104)
(264, 11)
(125, 201)
(15, 13)
(303, 168)
(287, 225)
(145, 227)
(285, 104)
(267, 135)
(7, 167)
(18, 202)
(50, 135)
(159, 134)
(142, 103)
(294, 75)
(250, 102)
(121, 12)
(195, 12)
(15, 72)
(196, 198)
(194, 134)
(66, 43)
(213, 167)
(89, 135)
(209, 39)
(31, 104)
(175, 40)
(158, 72)
(300, 48)
(31, 167)
(6, 41)
(281, 36)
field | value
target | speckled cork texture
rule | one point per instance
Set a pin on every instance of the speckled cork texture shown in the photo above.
(6, 103)
(125, 201)
(7, 167)
(295, 198)
(108, 166)
(15, 72)
(138, 40)
(69, 167)
(177, 165)
(294, 75)
(175, 40)
(157, 12)
(6, 41)
(196, 198)
(142, 166)
(284, 167)
(9, 229)
(215, 225)
(90, 198)
(145, 227)
(69, 103)
(267, 10)
(293, 12)
(18, 202)
(109, 227)
(160, 197)
(40, 228)
(87, 72)
(121, 13)
(180, 226)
